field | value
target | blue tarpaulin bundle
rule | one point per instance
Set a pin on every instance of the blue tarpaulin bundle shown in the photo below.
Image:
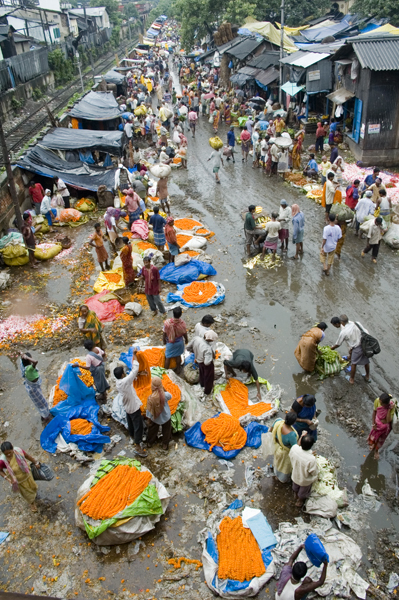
(186, 273)
(92, 442)
(196, 439)
(78, 393)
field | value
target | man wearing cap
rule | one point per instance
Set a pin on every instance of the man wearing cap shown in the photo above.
(32, 383)
(204, 355)
(364, 207)
(284, 219)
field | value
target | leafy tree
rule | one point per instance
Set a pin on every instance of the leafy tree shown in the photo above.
(202, 17)
(162, 8)
(62, 67)
(116, 36)
(112, 7)
(131, 11)
(378, 9)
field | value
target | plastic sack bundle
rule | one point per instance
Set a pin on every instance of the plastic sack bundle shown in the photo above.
(343, 212)
(85, 205)
(12, 238)
(392, 236)
(177, 296)
(109, 280)
(92, 442)
(135, 519)
(216, 143)
(195, 243)
(196, 438)
(70, 214)
(315, 550)
(105, 311)
(186, 273)
(78, 393)
(47, 251)
(14, 251)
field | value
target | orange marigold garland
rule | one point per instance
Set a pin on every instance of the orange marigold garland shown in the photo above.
(176, 562)
(173, 389)
(84, 375)
(235, 397)
(240, 557)
(59, 395)
(192, 253)
(113, 492)
(112, 277)
(224, 431)
(80, 427)
(199, 292)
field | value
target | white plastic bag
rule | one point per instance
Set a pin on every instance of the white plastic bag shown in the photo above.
(392, 236)
(267, 447)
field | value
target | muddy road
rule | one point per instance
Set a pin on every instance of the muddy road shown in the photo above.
(281, 304)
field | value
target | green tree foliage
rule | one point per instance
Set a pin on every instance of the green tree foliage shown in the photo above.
(379, 9)
(115, 36)
(62, 67)
(131, 11)
(162, 8)
(201, 17)
(112, 7)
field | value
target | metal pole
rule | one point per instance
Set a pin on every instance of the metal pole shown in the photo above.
(44, 31)
(10, 177)
(88, 41)
(80, 71)
(280, 98)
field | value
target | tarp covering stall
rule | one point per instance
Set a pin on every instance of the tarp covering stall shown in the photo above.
(96, 106)
(268, 31)
(113, 76)
(61, 138)
(45, 162)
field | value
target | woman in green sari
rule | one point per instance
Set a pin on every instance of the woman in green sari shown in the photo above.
(90, 325)
(284, 437)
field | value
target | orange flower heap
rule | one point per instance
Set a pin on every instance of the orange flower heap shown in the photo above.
(240, 557)
(224, 431)
(193, 253)
(187, 224)
(173, 389)
(84, 375)
(112, 277)
(80, 427)
(235, 397)
(113, 492)
(59, 395)
(199, 292)
(145, 245)
(183, 239)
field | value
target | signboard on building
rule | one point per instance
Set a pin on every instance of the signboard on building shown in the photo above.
(362, 131)
(314, 75)
(374, 128)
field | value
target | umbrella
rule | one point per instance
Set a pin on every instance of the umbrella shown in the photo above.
(161, 170)
(209, 95)
(258, 99)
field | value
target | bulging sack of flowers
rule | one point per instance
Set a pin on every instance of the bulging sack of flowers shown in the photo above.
(216, 142)
(110, 518)
(85, 205)
(47, 251)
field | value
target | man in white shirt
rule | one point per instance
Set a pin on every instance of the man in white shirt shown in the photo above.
(331, 234)
(204, 355)
(364, 207)
(352, 335)
(183, 112)
(304, 468)
(128, 128)
(63, 190)
(131, 403)
(284, 218)
(275, 152)
(201, 328)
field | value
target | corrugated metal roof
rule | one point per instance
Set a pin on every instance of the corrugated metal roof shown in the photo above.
(264, 60)
(304, 59)
(246, 47)
(377, 54)
(267, 76)
(340, 96)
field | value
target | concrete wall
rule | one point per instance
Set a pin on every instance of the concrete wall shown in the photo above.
(23, 92)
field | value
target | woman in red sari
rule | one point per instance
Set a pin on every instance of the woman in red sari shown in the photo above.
(384, 408)
(127, 262)
(227, 115)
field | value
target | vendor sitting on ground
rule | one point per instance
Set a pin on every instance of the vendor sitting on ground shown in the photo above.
(304, 468)
(291, 585)
(252, 233)
(243, 360)
(311, 169)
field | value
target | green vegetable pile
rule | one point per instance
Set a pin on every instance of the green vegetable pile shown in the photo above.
(328, 355)
(329, 362)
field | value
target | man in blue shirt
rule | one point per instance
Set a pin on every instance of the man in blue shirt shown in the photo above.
(312, 168)
(158, 223)
(231, 141)
(333, 126)
(370, 179)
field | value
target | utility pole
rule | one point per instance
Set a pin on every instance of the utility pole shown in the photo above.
(280, 97)
(88, 41)
(10, 177)
(80, 71)
(44, 31)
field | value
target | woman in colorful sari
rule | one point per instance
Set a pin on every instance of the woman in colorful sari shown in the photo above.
(384, 409)
(127, 262)
(174, 335)
(216, 117)
(170, 235)
(90, 325)
(297, 149)
(306, 351)
(227, 115)
(305, 409)
(284, 437)
(16, 470)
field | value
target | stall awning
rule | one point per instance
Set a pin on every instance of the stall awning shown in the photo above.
(240, 78)
(340, 96)
(96, 106)
(264, 77)
(62, 138)
(292, 88)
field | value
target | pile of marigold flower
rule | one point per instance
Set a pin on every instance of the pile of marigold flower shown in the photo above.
(80, 427)
(187, 224)
(224, 431)
(30, 329)
(240, 557)
(177, 562)
(199, 292)
(84, 376)
(113, 492)
(235, 396)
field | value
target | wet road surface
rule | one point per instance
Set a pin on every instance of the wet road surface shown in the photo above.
(282, 304)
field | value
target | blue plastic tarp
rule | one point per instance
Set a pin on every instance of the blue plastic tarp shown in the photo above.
(92, 442)
(186, 273)
(196, 439)
(78, 393)
(177, 296)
